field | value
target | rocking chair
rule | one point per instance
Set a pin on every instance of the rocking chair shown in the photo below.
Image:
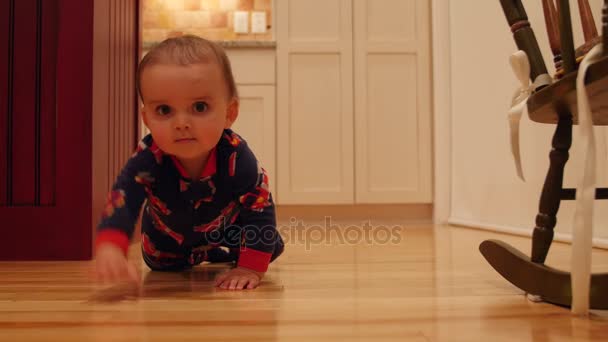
(555, 103)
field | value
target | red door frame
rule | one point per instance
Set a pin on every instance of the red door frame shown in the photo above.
(62, 231)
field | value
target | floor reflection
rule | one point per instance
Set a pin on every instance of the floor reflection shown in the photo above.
(165, 285)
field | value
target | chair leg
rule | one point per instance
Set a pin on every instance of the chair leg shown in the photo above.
(551, 194)
(605, 27)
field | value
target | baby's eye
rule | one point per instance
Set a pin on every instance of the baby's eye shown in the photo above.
(163, 110)
(200, 106)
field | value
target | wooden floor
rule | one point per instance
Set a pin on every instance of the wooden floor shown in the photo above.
(426, 284)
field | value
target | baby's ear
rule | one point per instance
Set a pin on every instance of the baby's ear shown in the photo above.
(144, 117)
(232, 112)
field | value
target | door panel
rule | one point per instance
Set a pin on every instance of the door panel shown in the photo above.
(5, 52)
(25, 85)
(392, 101)
(46, 120)
(315, 151)
(48, 114)
(46, 126)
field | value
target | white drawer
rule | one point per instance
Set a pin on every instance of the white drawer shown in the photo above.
(253, 66)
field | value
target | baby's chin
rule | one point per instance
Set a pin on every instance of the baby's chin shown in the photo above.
(190, 153)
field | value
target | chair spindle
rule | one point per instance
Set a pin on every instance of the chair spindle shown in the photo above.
(552, 31)
(565, 30)
(524, 35)
(587, 21)
(605, 27)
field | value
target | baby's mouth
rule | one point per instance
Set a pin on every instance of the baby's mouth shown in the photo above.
(184, 140)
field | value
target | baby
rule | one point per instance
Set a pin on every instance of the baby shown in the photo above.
(207, 197)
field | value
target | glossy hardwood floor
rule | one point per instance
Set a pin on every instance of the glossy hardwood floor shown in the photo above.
(426, 284)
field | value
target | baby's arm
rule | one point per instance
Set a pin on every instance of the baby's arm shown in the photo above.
(119, 217)
(259, 230)
(258, 221)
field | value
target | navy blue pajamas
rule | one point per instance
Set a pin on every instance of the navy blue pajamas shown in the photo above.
(185, 221)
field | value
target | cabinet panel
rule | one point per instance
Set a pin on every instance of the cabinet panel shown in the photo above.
(315, 131)
(391, 126)
(253, 66)
(314, 20)
(256, 124)
(315, 109)
(390, 20)
(392, 102)
(354, 115)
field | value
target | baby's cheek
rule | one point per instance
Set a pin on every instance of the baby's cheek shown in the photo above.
(162, 140)
(211, 136)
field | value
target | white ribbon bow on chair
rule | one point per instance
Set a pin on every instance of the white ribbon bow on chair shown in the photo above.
(519, 103)
(582, 234)
(521, 69)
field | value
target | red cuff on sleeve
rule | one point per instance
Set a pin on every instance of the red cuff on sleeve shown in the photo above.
(114, 236)
(254, 260)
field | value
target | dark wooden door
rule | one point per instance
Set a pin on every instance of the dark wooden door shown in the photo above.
(46, 50)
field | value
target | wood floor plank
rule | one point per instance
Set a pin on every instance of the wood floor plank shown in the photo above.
(429, 284)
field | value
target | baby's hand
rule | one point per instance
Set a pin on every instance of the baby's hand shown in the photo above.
(238, 279)
(112, 266)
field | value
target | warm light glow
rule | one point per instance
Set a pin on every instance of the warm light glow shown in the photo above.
(211, 19)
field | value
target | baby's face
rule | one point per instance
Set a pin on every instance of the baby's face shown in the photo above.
(186, 108)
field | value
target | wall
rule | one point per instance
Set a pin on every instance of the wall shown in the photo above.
(212, 19)
(485, 189)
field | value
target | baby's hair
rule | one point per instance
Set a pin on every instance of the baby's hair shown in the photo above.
(186, 50)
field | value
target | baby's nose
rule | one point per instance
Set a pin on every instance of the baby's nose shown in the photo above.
(182, 122)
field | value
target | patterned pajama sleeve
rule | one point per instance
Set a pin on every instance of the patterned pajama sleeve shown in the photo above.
(125, 199)
(257, 218)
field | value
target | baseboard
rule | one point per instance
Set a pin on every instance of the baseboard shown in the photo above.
(422, 213)
(527, 232)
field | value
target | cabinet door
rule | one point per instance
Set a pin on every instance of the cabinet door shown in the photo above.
(315, 101)
(256, 124)
(392, 101)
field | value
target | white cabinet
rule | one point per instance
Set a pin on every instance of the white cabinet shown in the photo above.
(392, 101)
(315, 102)
(255, 76)
(354, 117)
(256, 124)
